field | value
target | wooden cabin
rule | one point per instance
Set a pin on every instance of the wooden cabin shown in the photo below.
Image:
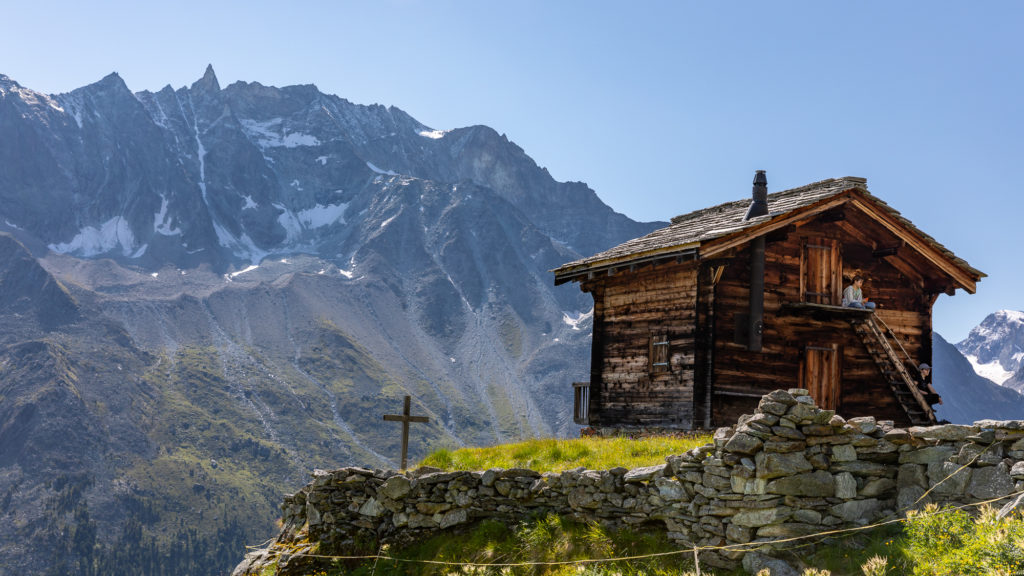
(694, 322)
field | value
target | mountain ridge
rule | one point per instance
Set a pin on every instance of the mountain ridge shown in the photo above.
(258, 273)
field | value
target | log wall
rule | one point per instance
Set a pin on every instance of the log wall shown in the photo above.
(903, 306)
(631, 309)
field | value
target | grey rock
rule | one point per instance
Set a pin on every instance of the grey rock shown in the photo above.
(742, 443)
(453, 518)
(926, 455)
(807, 516)
(774, 408)
(801, 413)
(645, 473)
(990, 482)
(670, 489)
(943, 432)
(911, 475)
(372, 508)
(864, 424)
(844, 453)
(781, 396)
(877, 487)
(948, 479)
(489, 476)
(774, 465)
(762, 517)
(1017, 471)
(857, 511)
(980, 456)
(912, 498)
(396, 487)
(755, 562)
(845, 485)
(818, 483)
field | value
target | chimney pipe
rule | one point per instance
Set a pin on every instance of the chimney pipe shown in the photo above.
(759, 205)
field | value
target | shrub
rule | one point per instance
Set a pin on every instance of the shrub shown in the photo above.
(950, 541)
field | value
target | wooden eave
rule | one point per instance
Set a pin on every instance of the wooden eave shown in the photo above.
(680, 252)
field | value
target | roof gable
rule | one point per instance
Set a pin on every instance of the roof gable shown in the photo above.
(710, 231)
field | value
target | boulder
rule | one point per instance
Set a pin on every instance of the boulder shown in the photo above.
(990, 482)
(775, 465)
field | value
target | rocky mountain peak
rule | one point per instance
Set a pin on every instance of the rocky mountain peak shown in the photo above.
(208, 83)
(996, 346)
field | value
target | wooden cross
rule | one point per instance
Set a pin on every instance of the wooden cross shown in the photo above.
(405, 418)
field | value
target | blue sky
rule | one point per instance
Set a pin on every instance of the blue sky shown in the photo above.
(661, 107)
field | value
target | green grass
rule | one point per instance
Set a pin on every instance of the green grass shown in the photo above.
(543, 542)
(551, 455)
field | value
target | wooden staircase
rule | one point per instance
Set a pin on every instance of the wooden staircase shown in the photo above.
(903, 384)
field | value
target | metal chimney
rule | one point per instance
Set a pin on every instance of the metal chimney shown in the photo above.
(759, 206)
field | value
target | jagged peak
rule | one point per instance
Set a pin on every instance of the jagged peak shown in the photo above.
(208, 82)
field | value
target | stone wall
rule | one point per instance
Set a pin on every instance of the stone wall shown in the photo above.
(789, 469)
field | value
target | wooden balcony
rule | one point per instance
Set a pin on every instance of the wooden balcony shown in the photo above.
(581, 403)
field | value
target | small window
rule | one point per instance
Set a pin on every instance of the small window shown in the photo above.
(659, 353)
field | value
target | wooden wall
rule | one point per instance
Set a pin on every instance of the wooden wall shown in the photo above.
(741, 376)
(629, 308)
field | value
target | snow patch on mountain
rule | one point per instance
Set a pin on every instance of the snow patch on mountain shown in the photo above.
(573, 320)
(91, 241)
(271, 134)
(161, 223)
(238, 273)
(371, 166)
(993, 370)
(321, 215)
(433, 134)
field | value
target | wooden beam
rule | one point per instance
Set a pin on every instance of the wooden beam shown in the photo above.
(940, 260)
(883, 252)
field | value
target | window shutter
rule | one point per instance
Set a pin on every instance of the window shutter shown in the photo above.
(821, 272)
(659, 357)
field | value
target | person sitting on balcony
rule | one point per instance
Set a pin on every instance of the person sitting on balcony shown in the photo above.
(854, 298)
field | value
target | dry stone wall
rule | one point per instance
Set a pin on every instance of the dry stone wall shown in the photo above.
(790, 469)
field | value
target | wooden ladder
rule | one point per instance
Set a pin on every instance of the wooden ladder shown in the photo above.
(903, 385)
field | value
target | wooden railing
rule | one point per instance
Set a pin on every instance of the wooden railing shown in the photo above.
(581, 402)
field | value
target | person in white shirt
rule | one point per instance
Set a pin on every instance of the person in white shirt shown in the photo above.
(854, 298)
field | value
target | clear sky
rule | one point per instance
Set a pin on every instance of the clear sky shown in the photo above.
(662, 107)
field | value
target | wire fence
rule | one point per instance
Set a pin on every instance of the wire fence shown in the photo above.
(694, 550)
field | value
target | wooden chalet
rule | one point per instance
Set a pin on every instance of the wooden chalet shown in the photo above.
(694, 322)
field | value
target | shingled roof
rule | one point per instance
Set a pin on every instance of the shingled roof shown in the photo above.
(689, 232)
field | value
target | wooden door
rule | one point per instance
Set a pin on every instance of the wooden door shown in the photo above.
(821, 272)
(820, 374)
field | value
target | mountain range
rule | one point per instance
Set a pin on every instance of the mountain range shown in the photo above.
(208, 292)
